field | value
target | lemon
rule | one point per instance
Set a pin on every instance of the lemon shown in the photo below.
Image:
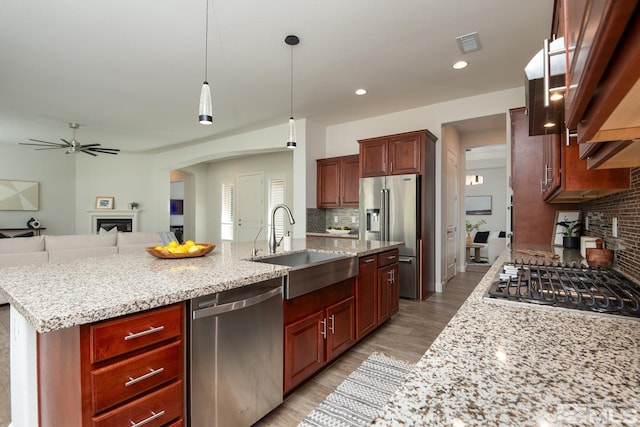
(194, 248)
(172, 244)
(159, 248)
(180, 250)
(189, 243)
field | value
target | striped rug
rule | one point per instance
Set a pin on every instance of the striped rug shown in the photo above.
(361, 395)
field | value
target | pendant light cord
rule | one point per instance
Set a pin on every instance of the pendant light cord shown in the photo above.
(291, 82)
(206, 43)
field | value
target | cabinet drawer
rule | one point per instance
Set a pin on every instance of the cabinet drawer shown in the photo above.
(387, 258)
(157, 408)
(115, 337)
(126, 379)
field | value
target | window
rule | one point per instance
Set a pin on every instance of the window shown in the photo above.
(227, 216)
(276, 196)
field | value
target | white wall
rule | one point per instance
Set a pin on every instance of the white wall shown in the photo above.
(56, 173)
(273, 165)
(494, 185)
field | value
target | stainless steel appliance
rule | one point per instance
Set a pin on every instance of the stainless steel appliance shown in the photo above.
(574, 286)
(236, 360)
(390, 211)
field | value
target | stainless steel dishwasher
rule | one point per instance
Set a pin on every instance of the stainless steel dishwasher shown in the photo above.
(236, 356)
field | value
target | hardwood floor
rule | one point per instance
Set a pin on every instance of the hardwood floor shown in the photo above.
(406, 336)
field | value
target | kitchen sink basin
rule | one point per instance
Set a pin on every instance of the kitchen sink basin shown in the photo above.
(313, 270)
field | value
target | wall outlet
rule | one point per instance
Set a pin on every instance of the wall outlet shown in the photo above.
(335, 219)
(614, 227)
(586, 222)
(353, 220)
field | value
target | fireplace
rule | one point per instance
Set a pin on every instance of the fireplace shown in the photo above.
(121, 224)
(123, 220)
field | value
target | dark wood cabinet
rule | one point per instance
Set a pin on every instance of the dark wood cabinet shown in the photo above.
(319, 326)
(393, 155)
(337, 182)
(115, 371)
(388, 284)
(366, 296)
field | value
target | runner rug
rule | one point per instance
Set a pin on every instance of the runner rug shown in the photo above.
(361, 395)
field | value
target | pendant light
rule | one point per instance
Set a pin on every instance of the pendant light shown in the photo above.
(205, 112)
(292, 41)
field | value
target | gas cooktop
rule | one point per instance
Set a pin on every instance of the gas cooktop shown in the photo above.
(573, 286)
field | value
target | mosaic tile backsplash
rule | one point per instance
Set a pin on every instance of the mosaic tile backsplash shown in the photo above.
(319, 219)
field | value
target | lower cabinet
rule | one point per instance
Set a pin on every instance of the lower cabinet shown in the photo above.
(318, 327)
(123, 371)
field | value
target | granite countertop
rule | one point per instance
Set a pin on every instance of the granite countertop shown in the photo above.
(519, 365)
(54, 296)
(334, 236)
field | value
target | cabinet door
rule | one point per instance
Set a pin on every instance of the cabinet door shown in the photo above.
(404, 154)
(366, 296)
(304, 349)
(349, 181)
(384, 283)
(340, 327)
(328, 185)
(394, 290)
(373, 158)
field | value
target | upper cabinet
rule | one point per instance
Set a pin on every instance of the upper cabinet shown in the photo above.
(338, 182)
(393, 155)
(602, 51)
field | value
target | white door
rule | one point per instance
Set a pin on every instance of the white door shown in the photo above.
(451, 212)
(250, 206)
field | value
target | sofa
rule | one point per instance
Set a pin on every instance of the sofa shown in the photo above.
(48, 248)
(492, 242)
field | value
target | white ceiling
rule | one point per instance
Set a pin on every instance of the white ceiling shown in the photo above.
(130, 72)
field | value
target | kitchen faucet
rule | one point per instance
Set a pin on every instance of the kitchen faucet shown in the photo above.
(272, 236)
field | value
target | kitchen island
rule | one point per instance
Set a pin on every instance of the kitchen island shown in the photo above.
(54, 297)
(512, 364)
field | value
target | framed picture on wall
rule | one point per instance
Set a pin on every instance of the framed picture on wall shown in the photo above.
(104, 202)
(477, 205)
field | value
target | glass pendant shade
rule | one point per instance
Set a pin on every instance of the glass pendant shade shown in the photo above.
(291, 139)
(205, 112)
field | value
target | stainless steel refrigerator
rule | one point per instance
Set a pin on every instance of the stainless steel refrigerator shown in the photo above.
(390, 211)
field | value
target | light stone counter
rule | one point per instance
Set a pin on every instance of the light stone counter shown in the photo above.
(54, 296)
(516, 365)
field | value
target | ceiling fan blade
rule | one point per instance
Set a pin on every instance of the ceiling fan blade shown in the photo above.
(104, 150)
(83, 146)
(89, 152)
(51, 145)
(49, 148)
(66, 142)
(44, 142)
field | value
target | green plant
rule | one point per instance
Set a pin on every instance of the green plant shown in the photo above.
(470, 227)
(571, 228)
(134, 205)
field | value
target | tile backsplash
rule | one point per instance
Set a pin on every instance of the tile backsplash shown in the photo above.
(625, 206)
(319, 219)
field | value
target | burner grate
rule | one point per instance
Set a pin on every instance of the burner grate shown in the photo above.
(568, 285)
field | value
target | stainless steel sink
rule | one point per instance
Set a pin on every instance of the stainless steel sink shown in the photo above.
(313, 270)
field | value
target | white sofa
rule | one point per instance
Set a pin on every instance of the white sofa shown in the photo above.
(49, 248)
(493, 247)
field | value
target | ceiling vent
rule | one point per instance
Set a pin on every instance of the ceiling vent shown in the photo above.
(468, 43)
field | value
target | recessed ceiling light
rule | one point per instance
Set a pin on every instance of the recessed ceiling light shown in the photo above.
(556, 96)
(549, 124)
(460, 65)
(361, 91)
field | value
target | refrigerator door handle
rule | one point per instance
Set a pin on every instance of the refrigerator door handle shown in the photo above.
(386, 214)
(406, 260)
(383, 215)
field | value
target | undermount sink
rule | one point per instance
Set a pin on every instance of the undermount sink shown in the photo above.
(313, 270)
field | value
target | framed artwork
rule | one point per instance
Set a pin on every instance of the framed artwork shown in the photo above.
(558, 230)
(477, 205)
(104, 202)
(19, 195)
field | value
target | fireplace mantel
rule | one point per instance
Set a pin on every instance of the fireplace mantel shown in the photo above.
(94, 214)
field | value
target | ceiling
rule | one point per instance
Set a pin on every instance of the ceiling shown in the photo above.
(130, 72)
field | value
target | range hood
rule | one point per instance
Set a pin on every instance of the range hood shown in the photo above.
(534, 90)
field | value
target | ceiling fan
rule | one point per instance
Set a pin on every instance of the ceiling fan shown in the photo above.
(73, 146)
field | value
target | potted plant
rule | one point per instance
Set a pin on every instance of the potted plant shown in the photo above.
(470, 227)
(133, 205)
(571, 233)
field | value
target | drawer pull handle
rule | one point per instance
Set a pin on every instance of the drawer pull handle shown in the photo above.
(332, 326)
(151, 330)
(153, 416)
(391, 257)
(369, 260)
(151, 373)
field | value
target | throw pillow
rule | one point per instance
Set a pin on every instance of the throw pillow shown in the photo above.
(4, 236)
(481, 237)
(502, 234)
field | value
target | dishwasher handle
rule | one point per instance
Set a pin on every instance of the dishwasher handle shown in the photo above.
(235, 305)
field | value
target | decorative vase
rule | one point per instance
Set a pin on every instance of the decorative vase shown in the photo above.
(571, 242)
(469, 239)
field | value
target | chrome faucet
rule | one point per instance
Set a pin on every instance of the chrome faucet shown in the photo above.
(254, 252)
(272, 236)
